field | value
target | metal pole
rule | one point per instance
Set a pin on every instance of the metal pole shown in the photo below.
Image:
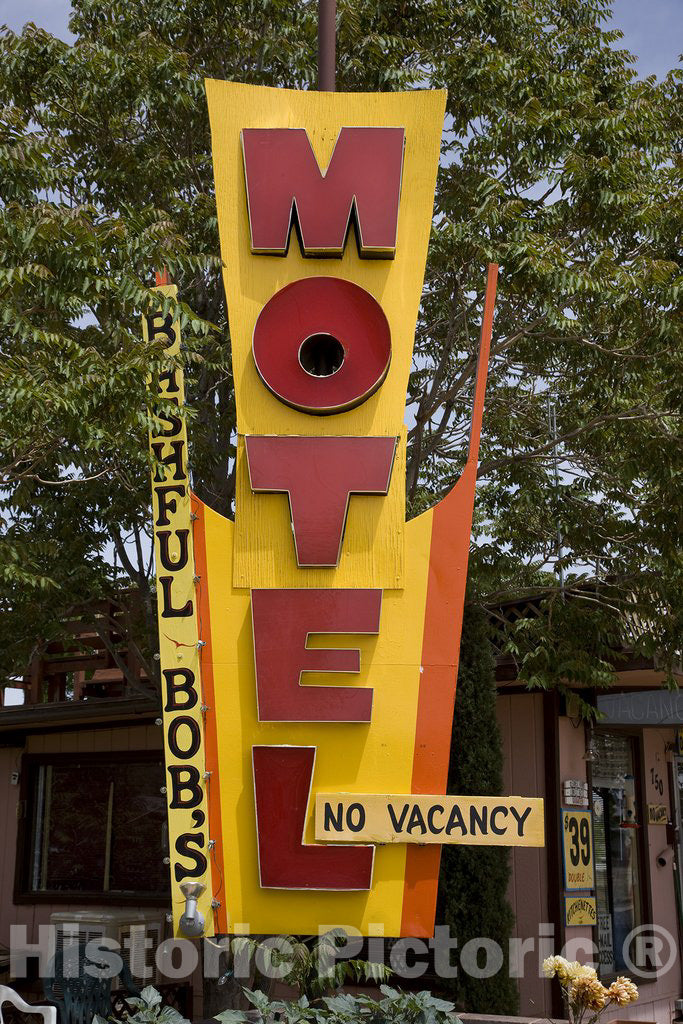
(327, 42)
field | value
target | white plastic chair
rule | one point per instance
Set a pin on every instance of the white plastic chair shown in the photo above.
(8, 995)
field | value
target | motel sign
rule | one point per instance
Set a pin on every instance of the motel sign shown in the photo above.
(309, 648)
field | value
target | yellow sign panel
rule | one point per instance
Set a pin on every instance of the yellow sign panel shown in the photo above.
(657, 814)
(580, 910)
(577, 847)
(373, 551)
(179, 642)
(405, 818)
(379, 550)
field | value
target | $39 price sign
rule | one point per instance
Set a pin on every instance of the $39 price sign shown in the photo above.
(577, 849)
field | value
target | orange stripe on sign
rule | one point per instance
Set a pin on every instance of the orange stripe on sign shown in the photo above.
(448, 556)
(210, 731)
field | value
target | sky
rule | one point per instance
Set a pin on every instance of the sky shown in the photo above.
(653, 29)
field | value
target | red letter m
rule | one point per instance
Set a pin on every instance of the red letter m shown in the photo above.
(284, 183)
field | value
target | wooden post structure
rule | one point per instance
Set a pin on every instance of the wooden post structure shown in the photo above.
(327, 32)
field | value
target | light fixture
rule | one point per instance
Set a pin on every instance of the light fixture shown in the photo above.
(191, 921)
(591, 754)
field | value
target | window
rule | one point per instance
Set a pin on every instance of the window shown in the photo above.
(617, 824)
(96, 826)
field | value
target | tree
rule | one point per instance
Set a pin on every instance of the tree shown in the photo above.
(474, 879)
(562, 166)
(557, 163)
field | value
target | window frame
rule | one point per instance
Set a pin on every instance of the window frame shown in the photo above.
(22, 869)
(635, 734)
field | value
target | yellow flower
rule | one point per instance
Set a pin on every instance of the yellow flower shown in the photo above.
(567, 971)
(553, 965)
(578, 970)
(623, 991)
(588, 992)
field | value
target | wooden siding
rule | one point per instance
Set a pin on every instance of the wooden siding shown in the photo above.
(520, 718)
(89, 741)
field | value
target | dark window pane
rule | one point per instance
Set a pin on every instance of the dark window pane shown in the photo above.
(139, 822)
(75, 810)
(99, 827)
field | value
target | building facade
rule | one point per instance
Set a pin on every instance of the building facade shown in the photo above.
(626, 775)
(82, 806)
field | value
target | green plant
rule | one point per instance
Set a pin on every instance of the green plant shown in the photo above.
(474, 879)
(148, 1010)
(311, 966)
(395, 1007)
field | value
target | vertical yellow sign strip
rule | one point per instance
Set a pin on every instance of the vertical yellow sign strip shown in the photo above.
(179, 640)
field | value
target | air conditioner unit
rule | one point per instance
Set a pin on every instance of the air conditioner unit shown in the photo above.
(137, 932)
(139, 940)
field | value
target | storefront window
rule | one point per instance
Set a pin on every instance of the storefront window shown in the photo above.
(678, 799)
(616, 824)
(98, 826)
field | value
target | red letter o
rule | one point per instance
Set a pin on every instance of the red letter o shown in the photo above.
(322, 345)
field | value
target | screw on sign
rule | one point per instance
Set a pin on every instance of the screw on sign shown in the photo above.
(329, 626)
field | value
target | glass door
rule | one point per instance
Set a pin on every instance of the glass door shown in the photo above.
(678, 822)
(616, 824)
